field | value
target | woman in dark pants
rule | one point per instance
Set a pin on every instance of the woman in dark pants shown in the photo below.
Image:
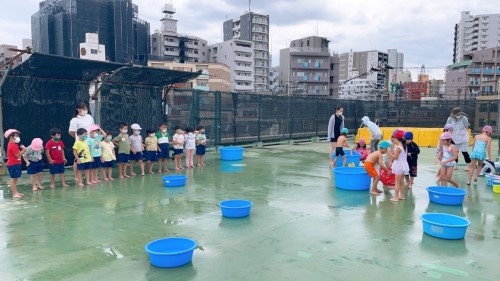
(335, 125)
(460, 124)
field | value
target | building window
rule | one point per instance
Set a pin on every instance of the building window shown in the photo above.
(93, 51)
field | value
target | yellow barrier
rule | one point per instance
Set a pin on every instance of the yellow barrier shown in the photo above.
(422, 136)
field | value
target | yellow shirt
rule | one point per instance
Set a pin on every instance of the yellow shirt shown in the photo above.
(107, 151)
(83, 151)
(151, 144)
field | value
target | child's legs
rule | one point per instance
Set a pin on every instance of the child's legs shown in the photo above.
(398, 192)
(165, 162)
(141, 165)
(33, 180)
(79, 176)
(13, 186)
(103, 172)
(110, 172)
(120, 169)
(87, 176)
(149, 164)
(479, 167)
(52, 180)
(40, 178)
(375, 181)
(471, 169)
(345, 160)
(63, 179)
(442, 176)
(449, 175)
(132, 162)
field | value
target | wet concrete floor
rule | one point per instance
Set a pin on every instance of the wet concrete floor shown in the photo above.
(301, 227)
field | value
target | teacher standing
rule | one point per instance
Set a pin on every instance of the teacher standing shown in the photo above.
(335, 125)
(460, 124)
(81, 120)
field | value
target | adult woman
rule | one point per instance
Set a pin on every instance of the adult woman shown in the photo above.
(81, 119)
(335, 125)
(460, 124)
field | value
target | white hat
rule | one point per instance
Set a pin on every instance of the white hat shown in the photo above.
(135, 127)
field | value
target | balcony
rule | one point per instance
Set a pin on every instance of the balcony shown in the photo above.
(170, 43)
(243, 59)
(243, 68)
(243, 78)
(243, 87)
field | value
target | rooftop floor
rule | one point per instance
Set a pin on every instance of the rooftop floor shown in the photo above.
(301, 227)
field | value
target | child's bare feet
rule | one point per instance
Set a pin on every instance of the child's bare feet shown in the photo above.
(402, 198)
(111, 179)
(394, 200)
(40, 187)
(121, 177)
(35, 188)
(52, 186)
(127, 176)
(81, 185)
(203, 164)
(143, 174)
(177, 169)
(17, 195)
(133, 174)
(374, 193)
(167, 170)
(65, 185)
(151, 172)
(199, 165)
(97, 181)
(106, 179)
(93, 182)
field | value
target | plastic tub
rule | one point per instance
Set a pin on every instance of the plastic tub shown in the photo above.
(351, 178)
(235, 208)
(351, 161)
(490, 179)
(231, 153)
(170, 252)
(444, 226)
(446, 195)
(174, 180)
(496, 188)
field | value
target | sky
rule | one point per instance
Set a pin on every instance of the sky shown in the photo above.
(421, 29)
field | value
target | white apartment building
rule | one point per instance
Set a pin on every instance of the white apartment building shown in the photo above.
(167, 44)
(238, 55)
(354, 64)
(253, 27)
(6, 54)
(396, 60)
(475, 33)
(91, 49)
(362, 89)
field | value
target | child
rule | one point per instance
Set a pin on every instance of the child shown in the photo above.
(376, 158)
(163, 146)
(190, 147)
(178, 141)
(81, 151)
(399, 165)
(54, 150)
(481, 151)
(108, 158)
(136, 148)
(341, 143)
(361, 149)
(449, 155)
(151, 152)
(123, 143)
(201, 142)
(413, 152)
(34, 163)
(439, 147)
(94, 142)
(14, 159)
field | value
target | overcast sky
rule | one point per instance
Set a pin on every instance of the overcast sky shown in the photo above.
(421, 29)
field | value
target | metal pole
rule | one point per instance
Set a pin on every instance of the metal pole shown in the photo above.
(218, 118)
(9, 67)
(259, 118)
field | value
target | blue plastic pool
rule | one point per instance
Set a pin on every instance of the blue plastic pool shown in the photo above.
(446, 195)
(174, 180)
(352, 159)
(351, 178)
(231, 153)
(235, 208)
(444, 226)
(170, 252)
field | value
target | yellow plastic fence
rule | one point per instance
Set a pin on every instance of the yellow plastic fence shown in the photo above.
(422, 136)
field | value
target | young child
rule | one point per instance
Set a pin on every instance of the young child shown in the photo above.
(449, 155)
(376, 158)
(341, 143)
(201, 142)
(190, 147)
(399, 165)
(14, 159)
(136, 148)
(54, 150)
(81, 151)
(95, 141)
(108, 158)
(34, 163)
(412, 158)
(361, 149)
(151, 152)
(178, 141)
(481, 151)
(123, 143)
(439, 146)
(163, 147)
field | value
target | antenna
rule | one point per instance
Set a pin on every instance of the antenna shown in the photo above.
(249, 6)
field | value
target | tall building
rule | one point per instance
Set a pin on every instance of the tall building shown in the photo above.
(253, 27)
(60, 26)
(238, 55)
(6, 54)
(396, 60)
(91, 49)
(307, 67)
(475, 33)
(477, 75)
(167, 44)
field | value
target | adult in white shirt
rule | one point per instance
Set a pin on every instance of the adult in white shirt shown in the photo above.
(81, 119)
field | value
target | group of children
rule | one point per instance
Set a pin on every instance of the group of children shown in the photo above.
(94, 150)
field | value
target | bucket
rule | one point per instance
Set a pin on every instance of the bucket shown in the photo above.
(355, 178)
(351, 161)
(446, 195)
(170, 252)
(490, 179)
(235, 208)
(231, 153)
(174, 180)
(444, 226)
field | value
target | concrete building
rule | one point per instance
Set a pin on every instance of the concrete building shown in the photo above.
(477, 75)
(355, 89)
(308, 68)
(167, 44)
(475, 33)
(214, 76)
(91, 49)
(415, 90)
(396, 60)
(6, 54)
(274, 80)
(253, 27)
(354, 64)
(60, 26)
(238, 55)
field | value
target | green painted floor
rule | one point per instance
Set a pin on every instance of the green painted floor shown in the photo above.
(301, 227)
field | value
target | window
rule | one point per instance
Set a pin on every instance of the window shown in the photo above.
(483, 107)
(93, 51)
